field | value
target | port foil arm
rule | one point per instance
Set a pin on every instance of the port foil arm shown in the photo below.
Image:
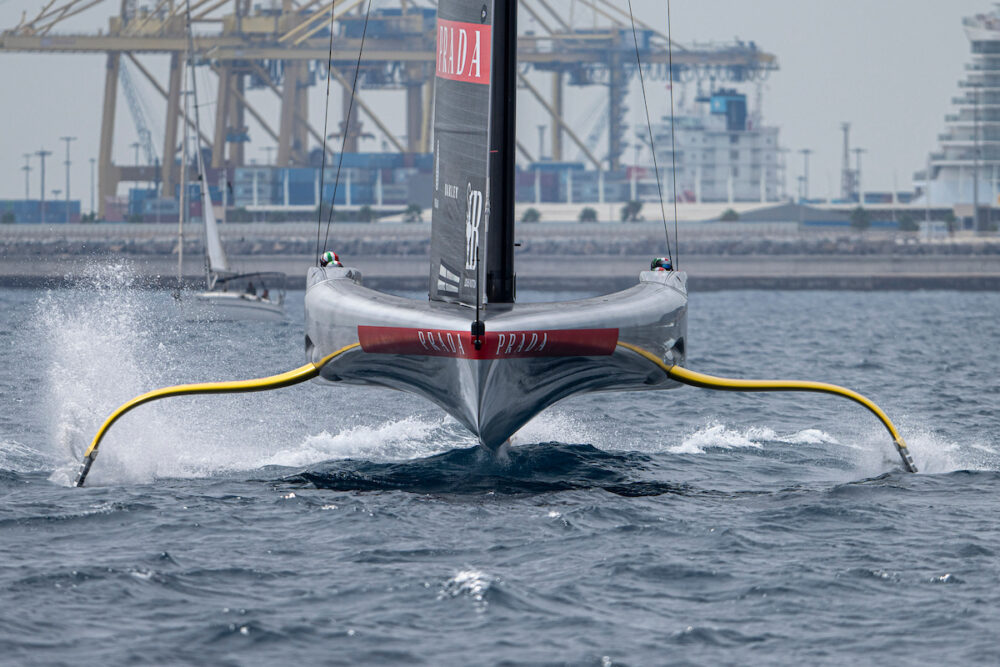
(296, 376)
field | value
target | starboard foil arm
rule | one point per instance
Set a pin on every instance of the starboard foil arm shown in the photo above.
(695, 379)
(301, 374)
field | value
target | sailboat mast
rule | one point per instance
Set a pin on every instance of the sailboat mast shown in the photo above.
(500, 277)
(183, 208)
(215, 256)
(202, 181)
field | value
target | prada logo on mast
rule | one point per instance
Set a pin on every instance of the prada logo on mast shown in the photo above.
(463, 51)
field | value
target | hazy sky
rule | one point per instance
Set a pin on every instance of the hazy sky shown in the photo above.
(890, 67)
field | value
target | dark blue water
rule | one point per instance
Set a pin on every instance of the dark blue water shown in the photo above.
(345, 526)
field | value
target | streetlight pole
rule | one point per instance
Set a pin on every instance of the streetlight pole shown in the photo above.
(68, 140)
(41, 153)
(806, 152)
(93, 161)
(861, 192)
(27, 173)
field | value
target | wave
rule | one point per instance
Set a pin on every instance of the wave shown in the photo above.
(719, 436)
(937, 454)
(866, 447)
(526, 469)
(18, 458)
(407, 438)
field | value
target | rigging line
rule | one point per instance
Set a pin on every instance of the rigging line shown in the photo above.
(347, 123)
(326, 118)
(673, 145)
(652, 145)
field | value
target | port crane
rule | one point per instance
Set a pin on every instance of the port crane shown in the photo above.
(283, 47)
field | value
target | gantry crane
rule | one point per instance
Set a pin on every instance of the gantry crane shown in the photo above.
(285, 49)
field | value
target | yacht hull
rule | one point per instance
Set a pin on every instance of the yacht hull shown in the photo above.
(237, 306)
(531, 355)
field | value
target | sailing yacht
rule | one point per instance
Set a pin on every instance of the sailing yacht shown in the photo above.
(228, 295)
(485, 359)
(488, 361)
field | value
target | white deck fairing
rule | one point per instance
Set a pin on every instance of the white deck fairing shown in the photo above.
(532, 355)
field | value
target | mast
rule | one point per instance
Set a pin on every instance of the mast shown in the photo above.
(215, 257)
(500, 277)
(182, 212)
(472, 219)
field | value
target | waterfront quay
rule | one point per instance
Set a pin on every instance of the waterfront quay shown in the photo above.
(590, 257)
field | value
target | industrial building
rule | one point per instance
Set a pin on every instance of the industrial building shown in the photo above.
(282, 48)
(35, 210)
(719, 153)
(377, 180)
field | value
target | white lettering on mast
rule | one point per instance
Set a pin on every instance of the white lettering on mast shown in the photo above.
(473, 217)
(463, 45)
(475, 58)
(460, 49)
(451, 51)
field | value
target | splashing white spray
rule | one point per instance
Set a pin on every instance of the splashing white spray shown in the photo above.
(108, 341)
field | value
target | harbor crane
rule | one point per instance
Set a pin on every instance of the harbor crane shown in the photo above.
(283, 47)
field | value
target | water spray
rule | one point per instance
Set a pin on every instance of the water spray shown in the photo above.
(296, 376)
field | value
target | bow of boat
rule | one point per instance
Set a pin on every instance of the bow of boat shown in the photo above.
(530, 356)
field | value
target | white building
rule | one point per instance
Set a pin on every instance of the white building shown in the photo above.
(970, 146)
(721, 155)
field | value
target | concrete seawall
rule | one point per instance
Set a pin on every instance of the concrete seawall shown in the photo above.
(558, 256)
(591, 274)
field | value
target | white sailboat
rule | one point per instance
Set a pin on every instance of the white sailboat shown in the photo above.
(231, 295)
(228, 295)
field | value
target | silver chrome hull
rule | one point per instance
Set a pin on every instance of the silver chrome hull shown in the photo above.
(532, 356)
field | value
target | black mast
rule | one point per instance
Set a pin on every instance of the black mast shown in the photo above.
(475, 91)
(500, 277)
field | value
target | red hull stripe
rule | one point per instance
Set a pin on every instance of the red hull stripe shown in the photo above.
(463, 51)
(496, 344)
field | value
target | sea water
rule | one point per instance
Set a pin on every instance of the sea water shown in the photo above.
(334, 525)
